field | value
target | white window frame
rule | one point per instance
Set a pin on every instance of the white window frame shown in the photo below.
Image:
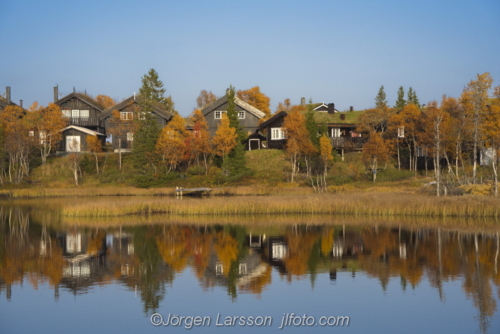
(336, 133)
(126, 115)
(32, 133)
(241, 114)
(66, 113)
(84, 113)
(75, 113)
(130, 136)
(218, 113)
(277, 134)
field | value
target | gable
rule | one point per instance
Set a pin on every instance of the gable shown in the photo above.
(221, 104)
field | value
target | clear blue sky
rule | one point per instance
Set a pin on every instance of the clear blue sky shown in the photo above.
(327, 50)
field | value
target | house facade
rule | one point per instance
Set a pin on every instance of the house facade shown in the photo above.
(121, 131)
(248, 115)
(74, 139)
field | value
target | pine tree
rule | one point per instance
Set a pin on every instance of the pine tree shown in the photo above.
(380, 100)
(412, 97)
(235, 163)
(152, 94)
(400, 102)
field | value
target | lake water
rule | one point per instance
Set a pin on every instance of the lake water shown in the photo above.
(314, 274)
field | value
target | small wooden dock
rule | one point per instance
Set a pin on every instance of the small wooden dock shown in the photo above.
(192, 191)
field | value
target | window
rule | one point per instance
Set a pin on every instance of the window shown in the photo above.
(130, 136)
(43, 136)
(84, 114)
(241, 114)
(32, 133)
(196, 133)
(401, 132)
(126, 115)
(336, 132)
(66, 113)
(75, 113)
(277, 134)
(218, 114)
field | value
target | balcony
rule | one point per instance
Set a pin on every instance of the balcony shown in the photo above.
(348, 142)
(85, 122)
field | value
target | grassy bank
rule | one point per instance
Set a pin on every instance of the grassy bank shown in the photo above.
(359, 204)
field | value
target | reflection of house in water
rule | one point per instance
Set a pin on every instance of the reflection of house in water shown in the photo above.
(275, 250)
(85, 260)
(247, 269)
(120, 247)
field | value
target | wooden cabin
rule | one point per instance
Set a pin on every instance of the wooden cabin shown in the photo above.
(129, 110)
(273, 131)
(248, 115)
(74, 139)
(81, 110)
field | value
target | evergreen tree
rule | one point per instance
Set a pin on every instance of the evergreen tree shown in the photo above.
(412, 97)
(380, 100)
(152, 94)
(312, 127)
(400, 102)
(235, 162)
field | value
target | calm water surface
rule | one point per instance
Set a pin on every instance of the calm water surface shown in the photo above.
(64, 277)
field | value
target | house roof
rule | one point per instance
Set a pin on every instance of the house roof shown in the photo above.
(84, 130)
(127, 102)
(323, 105)
(273, 119)
(87, 99)
(239, 102)
(3, 103)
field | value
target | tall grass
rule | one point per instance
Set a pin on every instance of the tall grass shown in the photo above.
(361, 204)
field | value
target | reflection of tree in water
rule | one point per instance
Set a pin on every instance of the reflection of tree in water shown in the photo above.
(154, 273)
(146, 258)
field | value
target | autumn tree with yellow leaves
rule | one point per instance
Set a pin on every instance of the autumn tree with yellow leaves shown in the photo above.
(225, 139)
(171, 145)
(48, 123)
(375, 153)
(254, 97)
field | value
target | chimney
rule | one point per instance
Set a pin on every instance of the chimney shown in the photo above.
(331, 108)
(303, 101)
(342, 117)
(21, 103)
(56, 93)
(351, 108)
(7, 94)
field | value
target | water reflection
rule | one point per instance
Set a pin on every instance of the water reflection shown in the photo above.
(147, 258)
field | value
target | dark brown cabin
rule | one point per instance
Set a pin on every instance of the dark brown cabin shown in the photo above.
(75, 139)
(81, 110)
(273, 131)
(129, 110)
(248, 115)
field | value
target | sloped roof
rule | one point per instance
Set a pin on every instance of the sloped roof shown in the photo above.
(239, 102)
(3, 103)
(273, 119)
(84, 130)
(129, 101)
(87, 99)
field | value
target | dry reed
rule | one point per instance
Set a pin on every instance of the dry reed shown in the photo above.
(369, 204)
